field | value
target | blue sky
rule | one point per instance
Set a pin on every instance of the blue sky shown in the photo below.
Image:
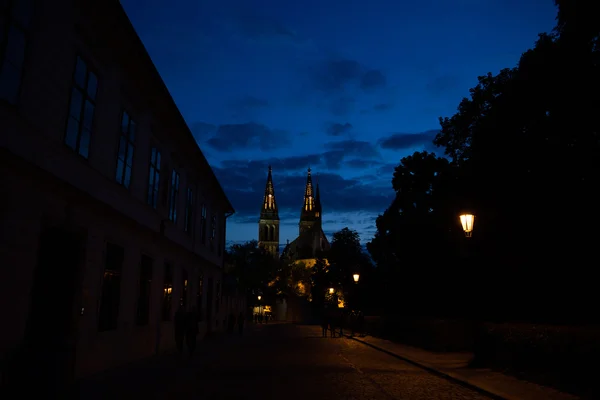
(347, 88)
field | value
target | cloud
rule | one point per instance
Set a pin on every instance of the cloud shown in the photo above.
(245, 189)
(333, 76)
(443, 84)
(361, 163)
(372, 79)
(407, 141)
(256, 26)
(202, 130)
(251, 102)
(338, 129)
(249, 135)
(354, 147)
(341, 106)
(382, 107)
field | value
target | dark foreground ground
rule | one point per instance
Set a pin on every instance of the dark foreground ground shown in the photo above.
(276, 362)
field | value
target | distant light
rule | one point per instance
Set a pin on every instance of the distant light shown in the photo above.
(331, 290)
(467, 221)
(259, 297)
(356, 277)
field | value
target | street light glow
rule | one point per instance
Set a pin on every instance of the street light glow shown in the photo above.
(330, 290)
(467, 221)
(356, 277)
(259, 297)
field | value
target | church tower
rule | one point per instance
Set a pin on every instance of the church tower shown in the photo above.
(268, 225)
(311, 209)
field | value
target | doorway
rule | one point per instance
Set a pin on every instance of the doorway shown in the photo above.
(50, 335)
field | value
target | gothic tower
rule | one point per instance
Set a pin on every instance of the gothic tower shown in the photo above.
(268, 225)
(311, 209)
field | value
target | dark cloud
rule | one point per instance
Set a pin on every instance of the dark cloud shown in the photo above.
(249, 135)
(442, 84)
(337, 193)
(256, 26)
(202, 130)
(361, 163)
(251, 102)
(338, 129)
(372, 79)
(354, 147)
(382, 107)
(407, 141)
(341, 106)
(335, 75)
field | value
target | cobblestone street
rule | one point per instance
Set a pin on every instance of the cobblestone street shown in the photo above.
(277, 361)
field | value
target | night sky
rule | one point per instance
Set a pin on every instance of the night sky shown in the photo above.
(347, 88)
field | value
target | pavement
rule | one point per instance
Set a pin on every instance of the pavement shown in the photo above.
(275, 361)
(453, 366)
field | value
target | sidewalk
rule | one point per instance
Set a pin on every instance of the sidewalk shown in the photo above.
(454, 367)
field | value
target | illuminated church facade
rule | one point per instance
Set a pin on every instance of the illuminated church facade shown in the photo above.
(311, 240)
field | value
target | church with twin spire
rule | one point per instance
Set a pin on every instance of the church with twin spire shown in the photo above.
(311, 240)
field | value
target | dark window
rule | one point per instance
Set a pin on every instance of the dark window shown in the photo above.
(189, 211)
(15, 16)
(145, 284)
(203, 224)
(218, 299)
(81, 108)
(199, 292)
(184, 288)
(174, 197)
(111, 288)
(154, 178)
(125, 155)
(167, 293)
(213, 231)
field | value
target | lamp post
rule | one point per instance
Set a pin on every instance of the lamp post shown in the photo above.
(356, 277)
(331, 290)
(467, 220)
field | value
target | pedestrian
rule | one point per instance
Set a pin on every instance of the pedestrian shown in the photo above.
(191, 332)
(324, 324)
(241, 322)
(332, 324)
(180, 327)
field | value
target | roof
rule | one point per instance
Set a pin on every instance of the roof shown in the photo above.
(174, 110)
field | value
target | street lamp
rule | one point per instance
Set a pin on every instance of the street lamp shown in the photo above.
(356, 277)
(259, 297)
(467, 221)
(331, 290)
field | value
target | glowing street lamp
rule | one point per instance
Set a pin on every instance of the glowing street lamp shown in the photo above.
(259, 297)
(467, 221)
(356, 277)
(331, 290)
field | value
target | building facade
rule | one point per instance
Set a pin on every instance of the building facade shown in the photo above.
(111, 215)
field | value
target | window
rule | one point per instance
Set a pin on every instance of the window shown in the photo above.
(154, 178)
(199, 293)
(218, 299)
(15, 16)
(189, 211)
(111, 288)
(213, 231)
(125, 155)
(81, 109)
(145, 284)
(184, 288)
(203, 224)
(174, 196)
(167, 292)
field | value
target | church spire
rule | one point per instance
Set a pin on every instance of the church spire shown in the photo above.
(268, 225)
(269, 208)
(309, 200)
